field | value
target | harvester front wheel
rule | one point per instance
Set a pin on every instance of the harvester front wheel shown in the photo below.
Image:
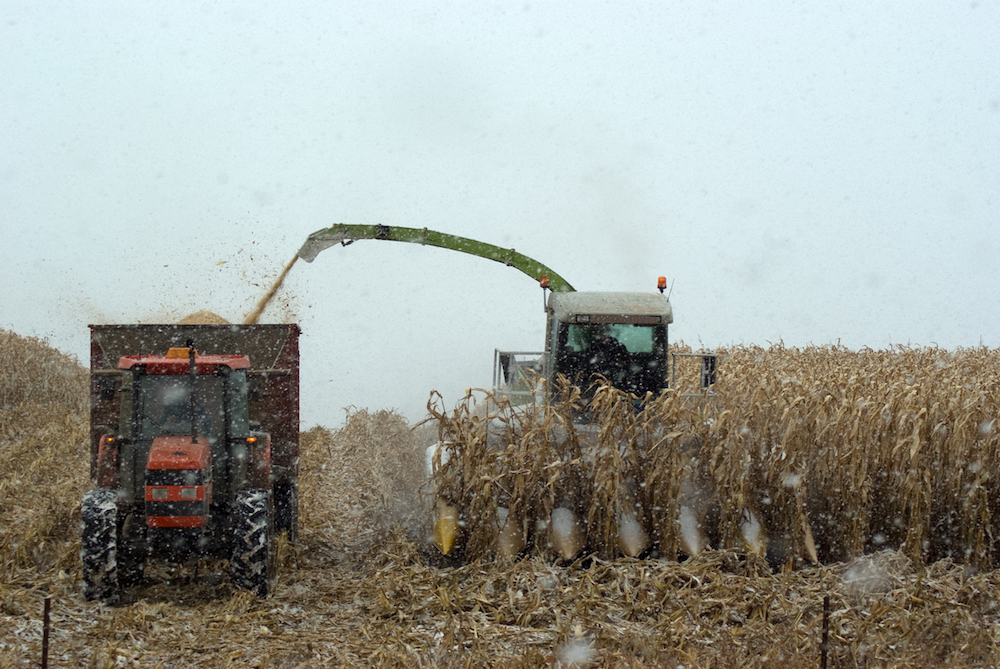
(251, 565)
(99, 545)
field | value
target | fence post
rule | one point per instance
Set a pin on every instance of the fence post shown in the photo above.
(824, 646)
(45, 632)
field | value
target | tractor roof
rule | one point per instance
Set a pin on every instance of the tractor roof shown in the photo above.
(612, 305)
(175, 364)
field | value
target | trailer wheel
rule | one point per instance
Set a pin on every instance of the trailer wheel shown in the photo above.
(251, 565)
(286, 509)
(99, 545)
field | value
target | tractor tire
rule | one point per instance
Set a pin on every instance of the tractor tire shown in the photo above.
(251, 564)
(286, 509)
(99, 545)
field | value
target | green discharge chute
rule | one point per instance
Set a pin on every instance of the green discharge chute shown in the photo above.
(347, 234)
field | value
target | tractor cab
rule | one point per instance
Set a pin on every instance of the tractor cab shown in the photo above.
(181, 394)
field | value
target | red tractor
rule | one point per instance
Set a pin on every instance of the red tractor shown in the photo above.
(194, 452)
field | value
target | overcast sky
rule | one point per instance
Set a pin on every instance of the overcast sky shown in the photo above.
(801, 172)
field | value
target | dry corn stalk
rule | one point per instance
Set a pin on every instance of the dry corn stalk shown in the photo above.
(835, 453)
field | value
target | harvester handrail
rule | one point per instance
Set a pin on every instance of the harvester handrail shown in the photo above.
(345, 234)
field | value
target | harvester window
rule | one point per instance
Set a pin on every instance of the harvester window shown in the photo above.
(632, 357)
(605, 351)
(635, 338)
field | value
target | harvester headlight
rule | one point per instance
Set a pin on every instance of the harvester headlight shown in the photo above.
(159, 493)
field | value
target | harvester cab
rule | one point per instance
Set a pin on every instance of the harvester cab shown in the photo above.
(180, 473)
(619, 336)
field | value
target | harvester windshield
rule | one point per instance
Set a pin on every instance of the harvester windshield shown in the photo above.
(620, 336)
(632, 357)
(633, 338)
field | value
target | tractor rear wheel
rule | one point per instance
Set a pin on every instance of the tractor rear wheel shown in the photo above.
(251, 564)
(99, 545)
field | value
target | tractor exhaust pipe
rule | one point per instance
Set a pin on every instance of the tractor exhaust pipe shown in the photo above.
(192, 373)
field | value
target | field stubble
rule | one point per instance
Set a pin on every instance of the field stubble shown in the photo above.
(901, 434)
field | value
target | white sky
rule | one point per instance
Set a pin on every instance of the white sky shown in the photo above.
(803, 172)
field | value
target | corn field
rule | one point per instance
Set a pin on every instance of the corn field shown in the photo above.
(888, 455)
(837, 453)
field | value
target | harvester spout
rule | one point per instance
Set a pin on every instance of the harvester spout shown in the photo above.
(320, 241)
(341, 233)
